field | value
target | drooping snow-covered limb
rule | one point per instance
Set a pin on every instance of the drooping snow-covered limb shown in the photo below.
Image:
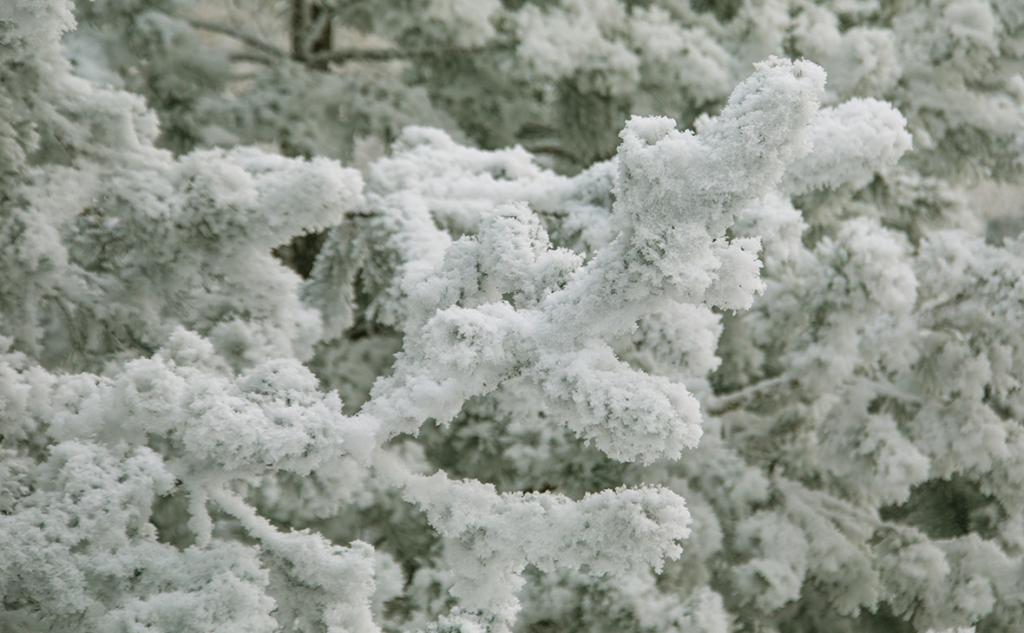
(677, 193)
(622, 411)
(337, 583)
(850, 144)
(215, 426)
(490, 538)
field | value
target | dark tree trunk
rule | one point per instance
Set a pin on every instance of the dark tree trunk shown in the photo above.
(310, 31)
(310, 28)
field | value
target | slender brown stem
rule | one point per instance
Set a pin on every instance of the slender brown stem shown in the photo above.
(731, 400)
(342, 55)
(245, 38)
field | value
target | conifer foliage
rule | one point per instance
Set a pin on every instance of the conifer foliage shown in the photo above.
(490, 316)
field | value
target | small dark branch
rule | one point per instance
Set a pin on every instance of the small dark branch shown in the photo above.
(310, 32)
(342, 55)
(253, 58)
(320, 32)
(734, 399)
(246, 38)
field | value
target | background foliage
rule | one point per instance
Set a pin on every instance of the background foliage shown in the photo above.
(421, 315)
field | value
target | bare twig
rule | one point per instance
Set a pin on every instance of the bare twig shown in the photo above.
(342, 55)
(729, 401)
(246, 38)
(889, 390)
(254, 58)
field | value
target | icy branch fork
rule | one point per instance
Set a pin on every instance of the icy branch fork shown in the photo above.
(676, 194)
